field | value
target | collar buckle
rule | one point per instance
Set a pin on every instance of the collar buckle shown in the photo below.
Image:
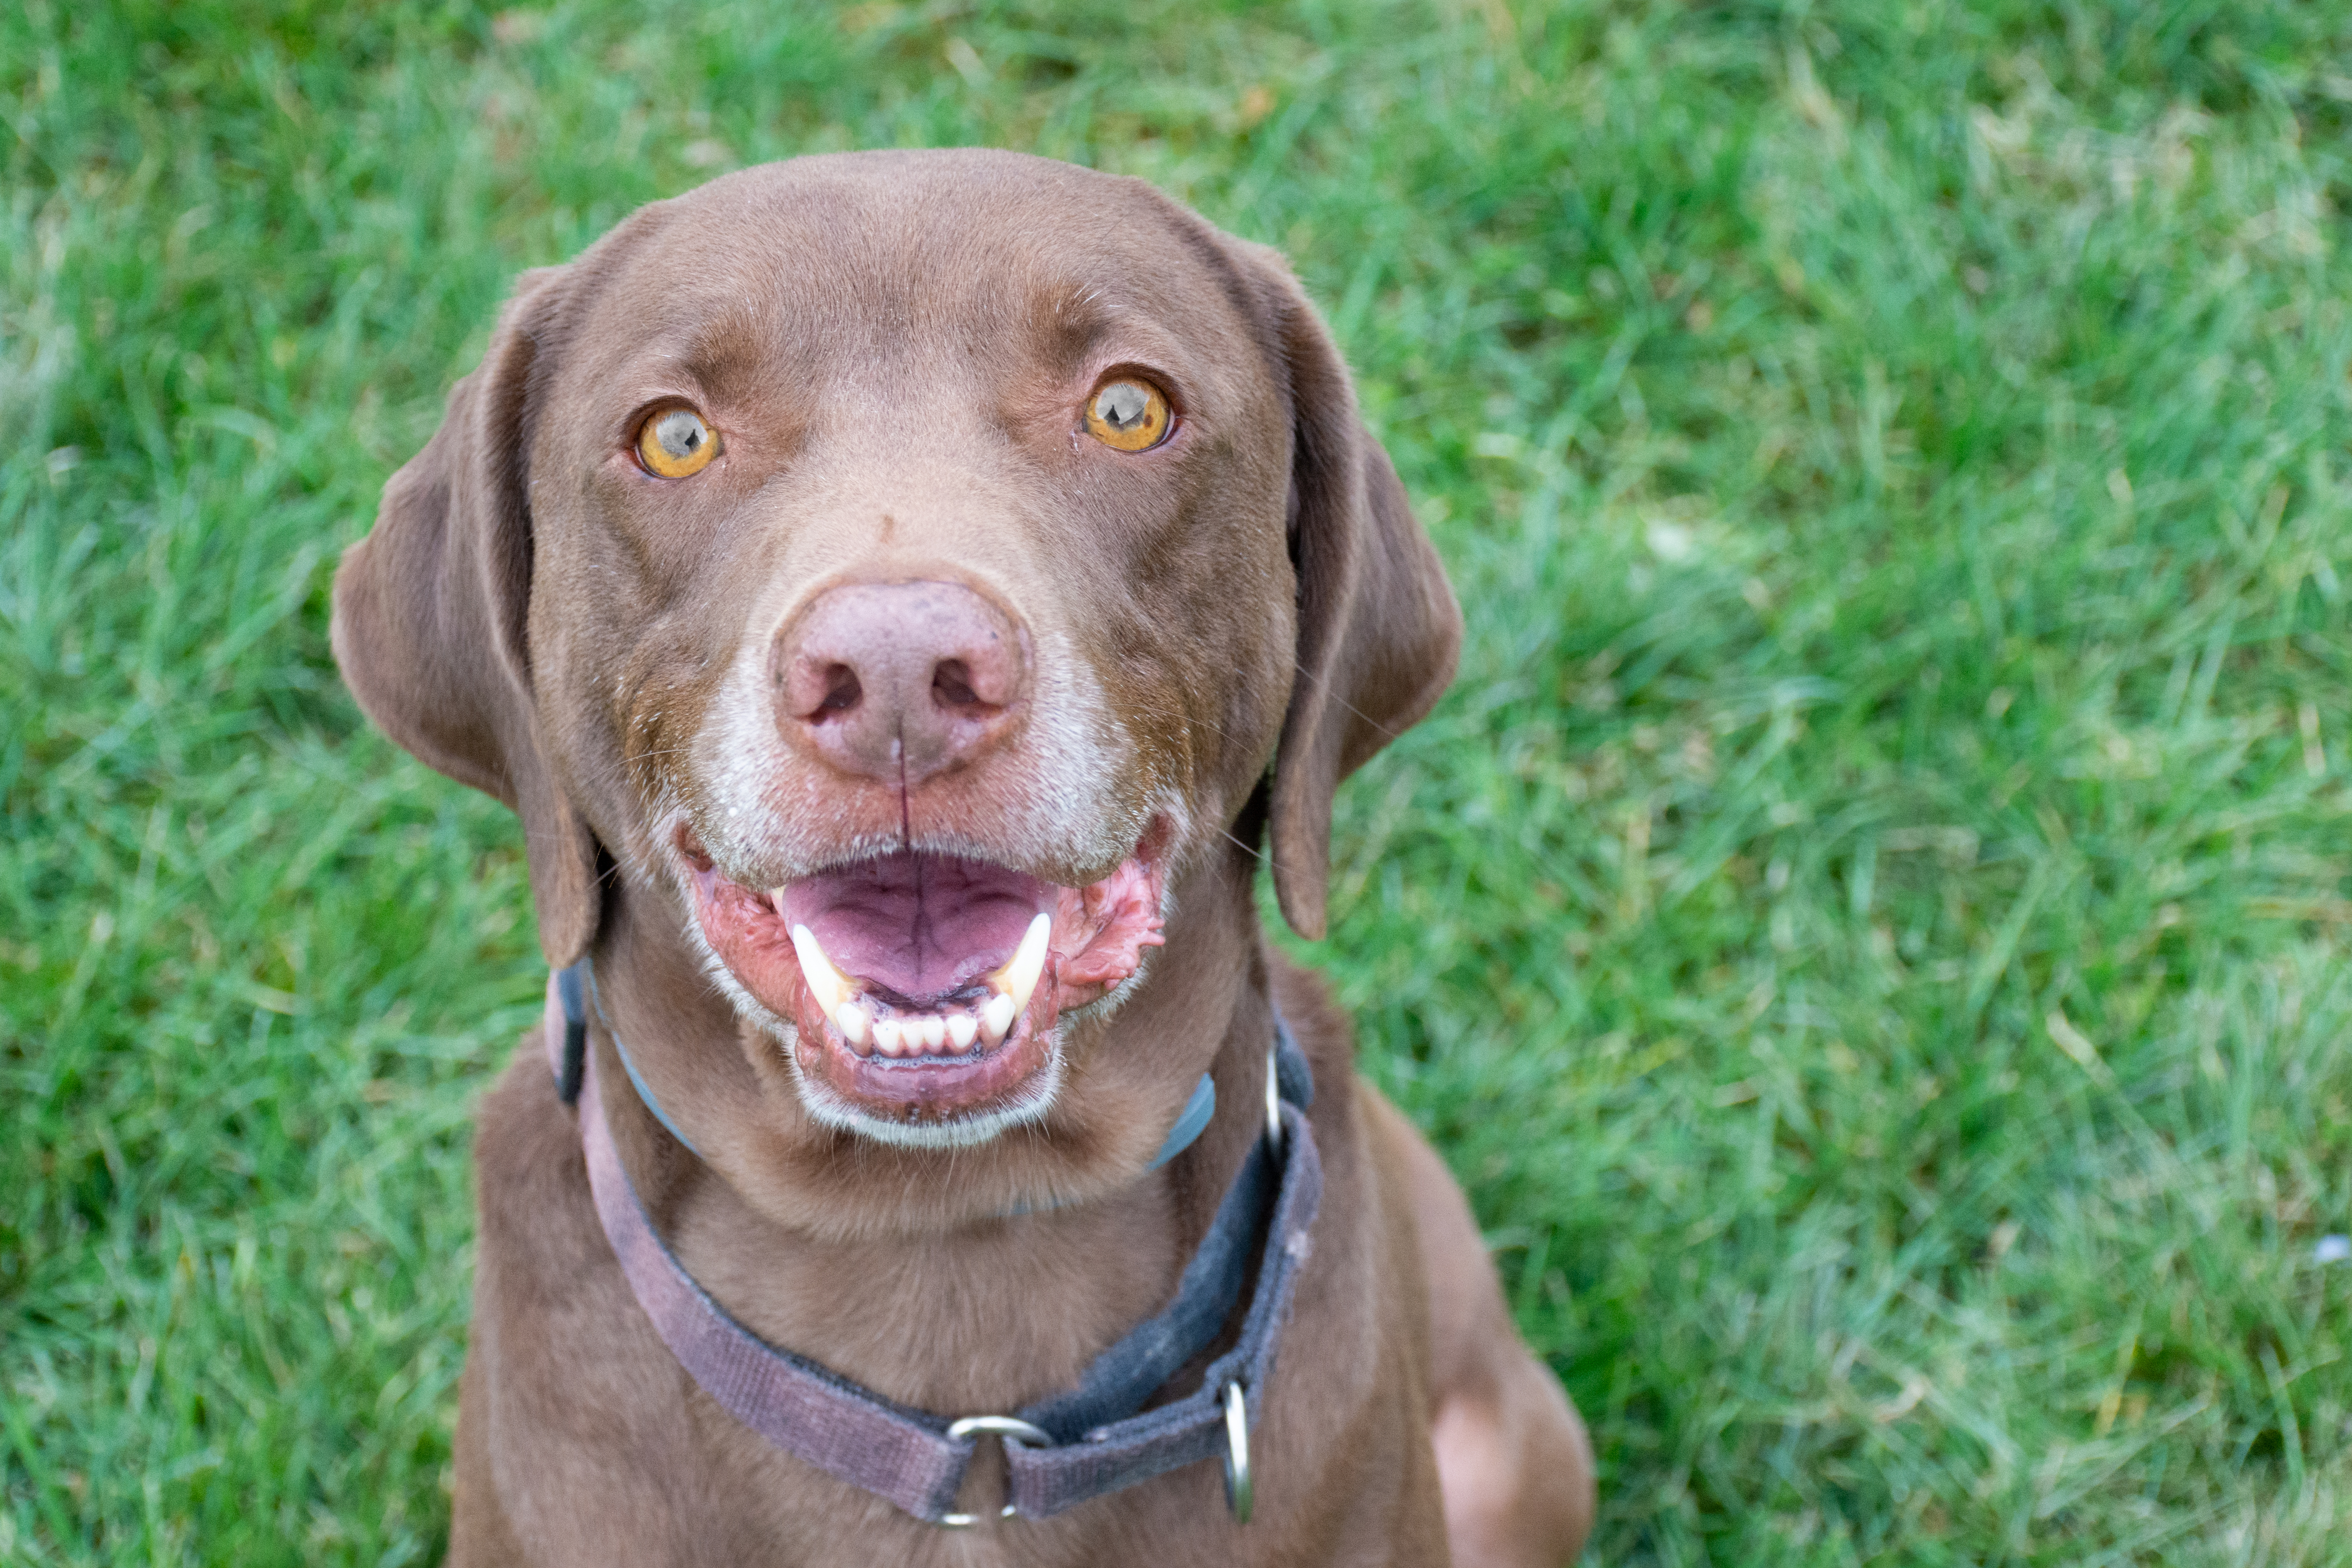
(1012, 1430)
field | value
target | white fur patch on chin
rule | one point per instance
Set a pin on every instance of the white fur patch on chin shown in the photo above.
(1036, 1097)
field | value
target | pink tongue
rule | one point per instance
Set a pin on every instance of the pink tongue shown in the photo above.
(921, 926)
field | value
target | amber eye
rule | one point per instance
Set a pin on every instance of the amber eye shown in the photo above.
(1129, 416)
(676, 444)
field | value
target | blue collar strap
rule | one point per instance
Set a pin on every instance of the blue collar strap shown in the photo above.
(1191, 1122)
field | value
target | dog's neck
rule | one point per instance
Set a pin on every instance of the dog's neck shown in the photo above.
(907, 1269)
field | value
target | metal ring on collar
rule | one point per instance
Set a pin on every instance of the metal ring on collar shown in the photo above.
(1013, 1429)
(1004, 1427)
(1273, 1102)
(1241, 1488)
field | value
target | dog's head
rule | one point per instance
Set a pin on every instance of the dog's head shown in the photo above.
(906, 566)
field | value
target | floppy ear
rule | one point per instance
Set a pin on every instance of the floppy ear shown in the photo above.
(1379, 630)
(431, 611)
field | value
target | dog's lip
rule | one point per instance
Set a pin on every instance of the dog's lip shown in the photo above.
(1097, 932)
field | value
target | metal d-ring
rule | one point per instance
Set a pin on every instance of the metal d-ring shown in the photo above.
(1272, 1102)
(1010, 1428)
(1240, 1489)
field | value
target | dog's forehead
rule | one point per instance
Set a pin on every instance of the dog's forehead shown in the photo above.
(855, 260)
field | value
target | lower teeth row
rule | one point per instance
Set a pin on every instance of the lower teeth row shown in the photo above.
(928, 1034)
(925, 1034)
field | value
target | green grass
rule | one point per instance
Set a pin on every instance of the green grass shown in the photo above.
(1869, 925)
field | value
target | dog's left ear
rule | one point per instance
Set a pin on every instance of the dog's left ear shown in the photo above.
(1379, 630)
(431, 609)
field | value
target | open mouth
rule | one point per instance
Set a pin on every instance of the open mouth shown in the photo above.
(926, 988)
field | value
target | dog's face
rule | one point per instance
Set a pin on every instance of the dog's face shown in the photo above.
(906, 566)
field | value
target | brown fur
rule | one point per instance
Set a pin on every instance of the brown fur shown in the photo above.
(894, 347)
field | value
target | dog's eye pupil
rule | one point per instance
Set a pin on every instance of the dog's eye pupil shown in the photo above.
(676, 444)
(1129, 416)
(1122, 405)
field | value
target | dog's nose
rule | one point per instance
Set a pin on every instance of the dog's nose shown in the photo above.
(898, 680)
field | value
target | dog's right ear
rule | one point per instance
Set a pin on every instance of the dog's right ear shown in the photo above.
(432, 607)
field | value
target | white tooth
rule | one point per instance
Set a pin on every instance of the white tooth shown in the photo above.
(935, 1031)
(852, 1019)
(962, 1029)
(996, 1017)
(1019, 978)
(885, 1036)
(776, 899)
(824, 982)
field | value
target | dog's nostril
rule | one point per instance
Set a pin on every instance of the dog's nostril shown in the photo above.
(842, 691)
(951, 684)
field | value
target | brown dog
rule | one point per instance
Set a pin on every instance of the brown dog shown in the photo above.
(881, 584)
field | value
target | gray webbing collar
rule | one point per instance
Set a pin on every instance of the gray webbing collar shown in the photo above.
(1078, 1445)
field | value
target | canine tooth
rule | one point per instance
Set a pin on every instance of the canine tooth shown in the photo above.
(1019, 978)
(935, 1031)
(885, 1036)
(824, 982)
(996, 1017)
(962, 1029)
(853, 1021)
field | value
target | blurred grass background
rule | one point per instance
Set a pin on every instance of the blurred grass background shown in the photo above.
(1869, 925)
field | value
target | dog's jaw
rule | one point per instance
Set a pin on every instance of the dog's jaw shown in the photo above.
(928, 1034)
